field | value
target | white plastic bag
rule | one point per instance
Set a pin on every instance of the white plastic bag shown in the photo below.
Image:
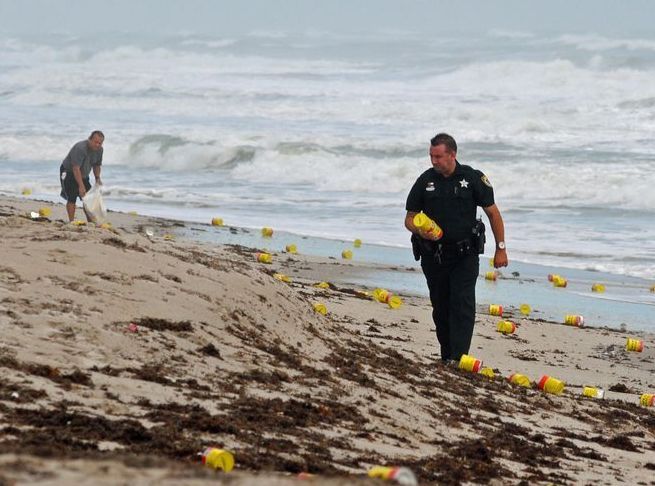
(94, 205)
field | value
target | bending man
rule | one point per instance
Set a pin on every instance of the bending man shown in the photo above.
(75, 169)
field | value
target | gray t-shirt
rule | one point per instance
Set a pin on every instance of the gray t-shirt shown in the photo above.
(82, 156)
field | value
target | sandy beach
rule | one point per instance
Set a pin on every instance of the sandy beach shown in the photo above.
(124, 355)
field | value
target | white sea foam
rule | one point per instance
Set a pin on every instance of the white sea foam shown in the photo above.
(359, 168)
(209, 43)
(534, 102)
(592, 42)
(510, 34)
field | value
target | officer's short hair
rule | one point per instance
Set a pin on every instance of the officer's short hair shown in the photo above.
(444, 139)
(97, 132)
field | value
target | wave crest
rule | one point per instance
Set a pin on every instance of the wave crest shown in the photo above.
(177, 153)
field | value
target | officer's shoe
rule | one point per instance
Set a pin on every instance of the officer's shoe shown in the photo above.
(449, 363)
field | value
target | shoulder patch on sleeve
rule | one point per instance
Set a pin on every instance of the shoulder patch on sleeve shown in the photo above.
(485, 180)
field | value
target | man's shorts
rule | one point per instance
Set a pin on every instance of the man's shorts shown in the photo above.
(69, 189)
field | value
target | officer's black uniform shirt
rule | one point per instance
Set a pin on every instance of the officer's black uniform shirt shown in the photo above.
(451, 201)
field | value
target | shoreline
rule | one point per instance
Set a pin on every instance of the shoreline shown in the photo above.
(225, 354)
(626, 303)
(603, 276)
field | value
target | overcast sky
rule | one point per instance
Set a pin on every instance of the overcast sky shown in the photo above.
(231, 17)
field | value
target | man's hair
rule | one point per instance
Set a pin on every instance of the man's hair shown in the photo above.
(97, 132)
(444, 139)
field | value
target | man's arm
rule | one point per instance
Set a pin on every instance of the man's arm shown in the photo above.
(77, 174)
(498, 229)
(409, 223)
(96, 174)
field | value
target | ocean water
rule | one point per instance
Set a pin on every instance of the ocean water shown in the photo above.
(626, 303)
(323, 134)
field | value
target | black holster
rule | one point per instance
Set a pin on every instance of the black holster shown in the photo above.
(447, 252)
(479, 237)
(422, 247)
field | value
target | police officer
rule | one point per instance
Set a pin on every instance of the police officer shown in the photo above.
(449, 193)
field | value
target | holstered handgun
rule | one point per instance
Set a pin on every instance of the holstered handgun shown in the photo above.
(416, 249)
(422, 247)
(479, 238)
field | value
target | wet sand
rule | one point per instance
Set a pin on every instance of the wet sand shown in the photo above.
(222, 353)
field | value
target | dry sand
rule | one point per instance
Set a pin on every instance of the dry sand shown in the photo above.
(224, 354)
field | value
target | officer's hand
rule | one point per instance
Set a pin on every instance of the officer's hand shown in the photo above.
(500, 258)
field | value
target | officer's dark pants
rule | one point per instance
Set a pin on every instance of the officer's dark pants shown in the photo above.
(452, 293)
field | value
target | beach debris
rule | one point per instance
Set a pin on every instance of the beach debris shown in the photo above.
(598, 287)
(78, 222)
(149, 232)
(320, 308)
(106, 226)
(357, 243)
(394, 302)
(15, 395)
(169, 237)
(647, 400)
(506, 327)
(282, 277)
(493, 276)
(218, 459)
(304, 475)
(347, 254)
(381, 295)
(132, 327)
(423, 222)
(550, 385)
(34, 215)
(470, 363)
(520, 380)
(610, 352)
(557, 280)
(322, 285)
(386, 297)
(267, 232)
(488, 372)
(45, 212)
(525, 309)
(291, 248)
(364, 293)
(132, 213)
(26, 191)
(593, 392)
(633, 344)
(217, 221)
(574, 320)
(399, 475)
(262, 257)
(560, 281)
(496, 310)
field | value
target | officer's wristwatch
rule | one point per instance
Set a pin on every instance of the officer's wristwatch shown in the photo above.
(500, 245)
